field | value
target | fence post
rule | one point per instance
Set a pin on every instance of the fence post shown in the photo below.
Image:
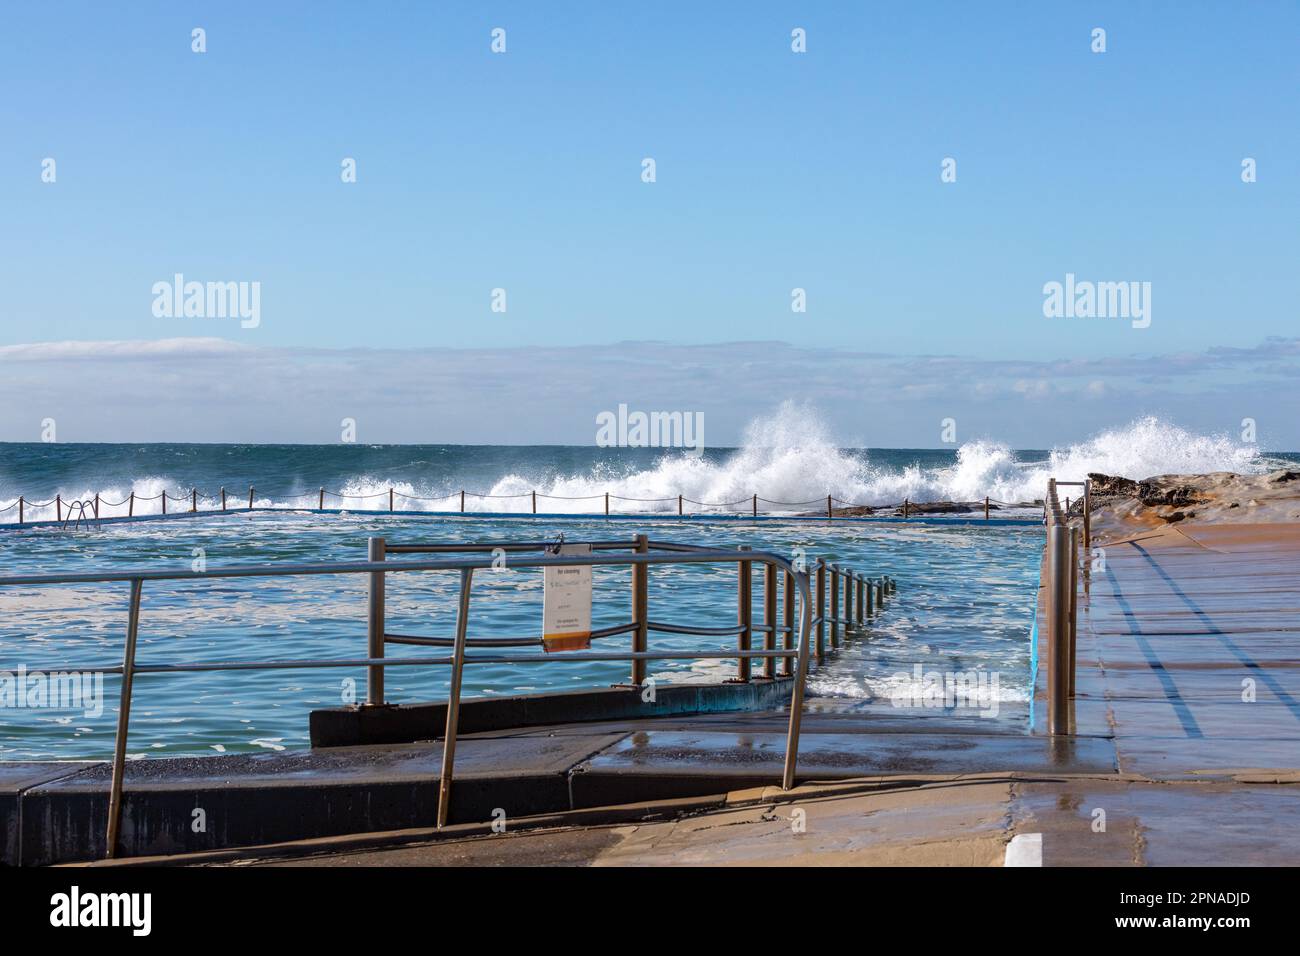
(607, 504)
(97, 506)
(130, 509)
(453, 699)
(1058, 628)
(21, 505)
(786, 662)
(679, 506)
(462, 501)
(835, 606)
(829, 516)
(390, 500)
(755, 506)
(534, 502)
(848, 602)
(1074, 605)
(164, 501)
(322, 500)
(223, 499)
(744, 611)
(194, 500)
(640, 609)
(250, 497)
(375, 551)
(1087, 516)
(58, 507)
(986, 507)
(821, 610)
(769, 618)
(123, 719)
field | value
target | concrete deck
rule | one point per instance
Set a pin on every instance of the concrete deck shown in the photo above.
(1189, 652)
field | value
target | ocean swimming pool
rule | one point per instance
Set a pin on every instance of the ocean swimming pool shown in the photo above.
(963, 604)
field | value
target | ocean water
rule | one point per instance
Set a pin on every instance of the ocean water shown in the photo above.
(964, 601)
(787, 459)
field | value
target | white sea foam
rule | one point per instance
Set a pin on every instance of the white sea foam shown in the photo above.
(788, 458)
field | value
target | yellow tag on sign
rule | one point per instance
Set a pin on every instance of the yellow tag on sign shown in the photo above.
(566, 603)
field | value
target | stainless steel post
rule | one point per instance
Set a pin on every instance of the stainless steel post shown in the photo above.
(375, 625)
(769, 619)
(787, 666)
(835, 606)
(1072, 655)
(1058, 628)
(796, 695)
(123, 720)
(848, 602)
(640, 609)
(744, 612)
(821, 610)
(453, 699)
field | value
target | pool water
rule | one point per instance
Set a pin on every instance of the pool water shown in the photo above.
(964, 603)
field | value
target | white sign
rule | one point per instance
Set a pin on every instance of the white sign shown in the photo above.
(566, 603)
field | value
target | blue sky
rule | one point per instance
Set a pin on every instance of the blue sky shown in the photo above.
(774, 171)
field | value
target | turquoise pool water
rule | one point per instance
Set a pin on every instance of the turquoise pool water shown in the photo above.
(963, 604)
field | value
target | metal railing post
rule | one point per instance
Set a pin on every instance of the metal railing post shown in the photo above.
(640, 609)
(96, 506)
(250, 497)
(194, 499)
(223, 499)
(1072, 653)
(58, 507)
(835, 606)
(745, 612)
(453, 699)
(123, 720)
(462, 501)
(796, 695)
(1058, 627)
(788, 642)
(375, 551)
(321, 505)
(130, 508)
(821, 610)
(20, 509)
(534, 502)
(1087, 516)
(769, 618)
(391, 509)
(848, 602)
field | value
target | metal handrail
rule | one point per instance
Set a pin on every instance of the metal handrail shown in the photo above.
(466, 566)
(640, 558)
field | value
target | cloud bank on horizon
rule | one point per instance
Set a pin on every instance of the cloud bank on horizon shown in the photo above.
(215, 390)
